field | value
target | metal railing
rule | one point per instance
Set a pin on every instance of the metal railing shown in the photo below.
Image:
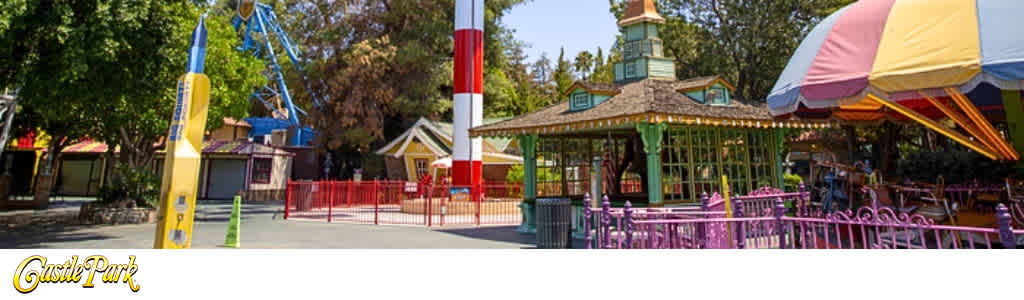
(403, 203)
(709, 228)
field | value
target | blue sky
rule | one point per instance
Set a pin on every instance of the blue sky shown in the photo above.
(547, 25)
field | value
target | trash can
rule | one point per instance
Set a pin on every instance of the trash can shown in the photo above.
(554, 219)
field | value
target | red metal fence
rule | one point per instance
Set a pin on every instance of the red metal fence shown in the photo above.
(402, 203)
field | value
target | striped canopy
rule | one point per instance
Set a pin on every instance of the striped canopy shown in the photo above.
(894, 48)
(910, 59)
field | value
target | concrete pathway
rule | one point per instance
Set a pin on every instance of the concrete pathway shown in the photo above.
(263, 227)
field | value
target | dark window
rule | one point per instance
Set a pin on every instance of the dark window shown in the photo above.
(717, 96)
(581, 101)
(631, 70)
(261, 170)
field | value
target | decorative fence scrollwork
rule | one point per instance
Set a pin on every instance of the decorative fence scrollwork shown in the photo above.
(709, 228)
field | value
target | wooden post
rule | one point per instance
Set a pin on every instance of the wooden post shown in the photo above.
(528, 143)
(651, 134)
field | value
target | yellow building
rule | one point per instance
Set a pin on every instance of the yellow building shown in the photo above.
(410, 155)
(232, 130)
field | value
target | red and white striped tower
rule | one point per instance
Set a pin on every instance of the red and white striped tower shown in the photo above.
(467, 168)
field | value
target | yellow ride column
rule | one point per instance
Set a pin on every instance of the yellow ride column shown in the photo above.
(184, 147)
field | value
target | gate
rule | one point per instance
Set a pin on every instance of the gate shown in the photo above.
(402, 203)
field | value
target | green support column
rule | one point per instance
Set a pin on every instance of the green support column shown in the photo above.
(652, 135)
(528, 144)
(1015, 119)
(778, 138)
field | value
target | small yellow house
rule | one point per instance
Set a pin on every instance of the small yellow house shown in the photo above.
(409, 156)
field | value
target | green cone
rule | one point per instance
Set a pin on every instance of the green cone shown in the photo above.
(232, 239)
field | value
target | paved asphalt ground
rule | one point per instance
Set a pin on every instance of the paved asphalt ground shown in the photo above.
(264, 228)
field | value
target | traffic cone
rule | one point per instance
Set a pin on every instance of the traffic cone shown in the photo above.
(232, 239)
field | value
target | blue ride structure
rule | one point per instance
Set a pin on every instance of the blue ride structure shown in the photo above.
(259, 26)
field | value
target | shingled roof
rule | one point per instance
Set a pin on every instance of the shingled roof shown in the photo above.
(645, 98)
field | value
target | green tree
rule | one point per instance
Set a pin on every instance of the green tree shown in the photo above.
(51, 53)
(604, 67)
(402, 49)
(584, 63)
(107, 70)
(520, 86)
(138, 117)
(749, 42)
(562, 75)
(542, 84)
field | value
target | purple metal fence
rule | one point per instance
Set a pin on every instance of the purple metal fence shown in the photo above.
(761, 202)
(868, 228)
(615, 230)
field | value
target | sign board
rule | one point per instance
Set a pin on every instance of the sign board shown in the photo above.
(460, 194)
(410, 187)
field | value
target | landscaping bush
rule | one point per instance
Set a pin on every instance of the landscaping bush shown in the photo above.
(135, 187)
(792, 182)
(516, 175)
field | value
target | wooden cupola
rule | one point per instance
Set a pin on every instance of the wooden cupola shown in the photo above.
(642, 55)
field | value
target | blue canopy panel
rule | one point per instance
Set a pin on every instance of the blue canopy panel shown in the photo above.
(264, 126)
(1002, 49)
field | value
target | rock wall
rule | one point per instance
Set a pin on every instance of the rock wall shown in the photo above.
(97, 215)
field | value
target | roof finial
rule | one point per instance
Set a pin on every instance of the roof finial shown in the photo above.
(640, 11)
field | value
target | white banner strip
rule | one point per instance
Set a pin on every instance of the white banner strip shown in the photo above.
(469, 111)
(469, 14)
(523, 274)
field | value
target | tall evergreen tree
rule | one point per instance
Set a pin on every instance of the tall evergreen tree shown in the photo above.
(541, 69)
(604, 67)
(562, 75)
